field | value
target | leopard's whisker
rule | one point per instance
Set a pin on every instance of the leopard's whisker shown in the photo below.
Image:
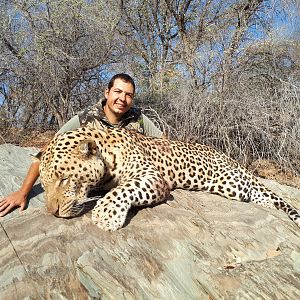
(88, 199)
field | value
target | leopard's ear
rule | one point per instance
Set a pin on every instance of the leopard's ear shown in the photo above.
(87, 148)
(36, 157)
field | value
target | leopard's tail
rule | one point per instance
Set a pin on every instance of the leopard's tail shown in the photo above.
(265, 197)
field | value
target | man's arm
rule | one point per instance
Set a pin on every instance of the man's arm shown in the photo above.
(150, 128)
(72, 124)
(19, 198)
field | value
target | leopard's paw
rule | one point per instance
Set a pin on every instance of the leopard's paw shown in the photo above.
(108, 217)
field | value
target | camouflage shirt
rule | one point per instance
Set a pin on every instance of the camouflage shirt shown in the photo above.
(94, 115)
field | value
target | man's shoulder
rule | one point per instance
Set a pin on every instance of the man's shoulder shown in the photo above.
(150, 128)
(94, 111)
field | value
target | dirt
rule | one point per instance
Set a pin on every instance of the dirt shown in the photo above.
(271, 170)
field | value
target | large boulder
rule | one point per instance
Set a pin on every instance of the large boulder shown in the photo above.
(193, 246)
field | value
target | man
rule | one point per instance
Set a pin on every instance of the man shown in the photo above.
(116, 110)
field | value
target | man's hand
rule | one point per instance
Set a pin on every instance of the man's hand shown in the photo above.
(12, 200)
(19, 198)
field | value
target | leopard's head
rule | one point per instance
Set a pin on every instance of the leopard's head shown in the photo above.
(69, 168)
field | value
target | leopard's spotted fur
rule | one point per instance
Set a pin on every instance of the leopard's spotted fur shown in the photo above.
(139, 170)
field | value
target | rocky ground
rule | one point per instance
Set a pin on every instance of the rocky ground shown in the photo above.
(194, 246)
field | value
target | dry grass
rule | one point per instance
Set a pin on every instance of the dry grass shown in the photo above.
(271, 170)
(248, 124)
(26, 138)
(256, 124)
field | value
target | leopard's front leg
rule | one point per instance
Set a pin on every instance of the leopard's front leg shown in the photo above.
(111, 211)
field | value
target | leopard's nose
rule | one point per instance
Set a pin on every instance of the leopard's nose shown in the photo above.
(56, 213)
(53, 208)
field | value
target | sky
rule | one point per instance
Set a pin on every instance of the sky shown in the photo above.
(287, 25)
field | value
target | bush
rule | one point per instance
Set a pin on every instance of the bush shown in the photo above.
(245, 123)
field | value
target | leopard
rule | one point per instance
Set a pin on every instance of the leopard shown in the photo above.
(138, 170)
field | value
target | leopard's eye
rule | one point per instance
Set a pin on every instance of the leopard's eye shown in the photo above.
(64, 181)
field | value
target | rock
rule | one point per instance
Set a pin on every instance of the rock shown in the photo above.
(193, 246)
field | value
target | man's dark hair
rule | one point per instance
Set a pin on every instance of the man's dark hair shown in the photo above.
(122, 76)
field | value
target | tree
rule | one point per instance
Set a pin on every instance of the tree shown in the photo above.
(53, 56)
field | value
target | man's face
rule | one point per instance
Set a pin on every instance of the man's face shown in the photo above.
(119, 97)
